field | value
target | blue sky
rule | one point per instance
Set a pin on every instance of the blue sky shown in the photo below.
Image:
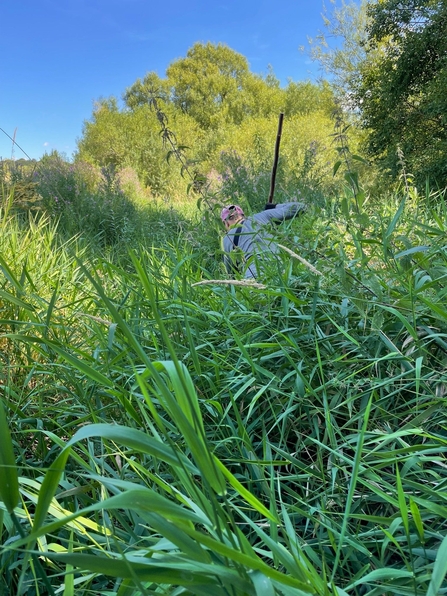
(59, 56)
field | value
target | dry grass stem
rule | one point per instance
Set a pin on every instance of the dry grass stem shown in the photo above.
(97, 319)
(303, 261)
(232, 282)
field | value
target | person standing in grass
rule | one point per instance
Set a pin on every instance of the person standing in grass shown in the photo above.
(247, 245)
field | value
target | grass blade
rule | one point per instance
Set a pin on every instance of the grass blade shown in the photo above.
(9, 484)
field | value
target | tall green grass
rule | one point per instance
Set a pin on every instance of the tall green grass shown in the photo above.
(161, 437)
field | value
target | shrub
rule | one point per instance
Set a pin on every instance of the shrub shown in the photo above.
(89, 202)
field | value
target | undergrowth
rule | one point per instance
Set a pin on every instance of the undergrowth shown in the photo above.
(166, 434)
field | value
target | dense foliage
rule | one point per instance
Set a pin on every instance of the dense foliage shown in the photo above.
(167, 430)
(390, 68)
(165, 433)
(208, 105)
(402, 88)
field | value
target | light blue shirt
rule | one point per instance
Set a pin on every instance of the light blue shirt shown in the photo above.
(254, 240)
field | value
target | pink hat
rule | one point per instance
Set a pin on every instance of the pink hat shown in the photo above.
(229, 211)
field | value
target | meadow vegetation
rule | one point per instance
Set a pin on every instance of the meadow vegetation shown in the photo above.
(167, 431)
(164, 435)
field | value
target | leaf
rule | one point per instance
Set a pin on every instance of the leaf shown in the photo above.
(263, 585)
(417, 519)
(402, 502)
(360, 198)
(394, 221)
(79, 364)
(246, 494)
(411, 251)
(382, 575)
(353, 179)
(439, 570)
(69, 575)
(337, 164)
(352, 485)
(185, 412)
(360, 158)
(9, 483)
(132, 438)
(161, 570)
(49, 487)
(8, 297)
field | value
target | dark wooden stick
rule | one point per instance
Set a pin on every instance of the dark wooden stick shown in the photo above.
(275, 160)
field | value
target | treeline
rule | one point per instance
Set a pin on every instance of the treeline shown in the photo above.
(391, 72)
(210, 123)
(216, 123)
(388, 82)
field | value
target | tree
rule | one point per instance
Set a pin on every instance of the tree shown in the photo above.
(142, 91)
(259, 97)
(401, 90)
(305, 97)
(128, 138)
(341, 50)
(213, 85)
(209, 102)
(104, 136)
(206, 83)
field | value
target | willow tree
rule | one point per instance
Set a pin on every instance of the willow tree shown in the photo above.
(212, 84)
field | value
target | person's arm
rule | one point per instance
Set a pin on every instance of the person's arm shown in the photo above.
(281, 212)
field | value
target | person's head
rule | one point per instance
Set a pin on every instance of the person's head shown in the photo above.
(231, 215)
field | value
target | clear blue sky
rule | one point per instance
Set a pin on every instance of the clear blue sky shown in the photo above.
(59, 56)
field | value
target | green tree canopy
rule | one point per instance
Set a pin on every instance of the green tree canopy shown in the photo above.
(143, 90)
(401, 91)
(206, 83)
(341, 48)
(203, 102)
(104, 136)
(212, 84)
(305, 97)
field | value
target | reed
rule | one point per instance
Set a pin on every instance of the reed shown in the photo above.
(167, 436)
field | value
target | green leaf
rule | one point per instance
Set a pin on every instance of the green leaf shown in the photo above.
(8, 297)
(135, 439)
(185, 412)
(360, 158)
(402, 502)
(352, 485)
(132, 438)
(79, 364)
(69, 575)
(411, 251)
(337, 164)
(392, 225)
(439, 570)
(9, 482)
(382, 575)
(263, 585)
(49, 487)
(170, 570)
(417, 519)
(244, 493)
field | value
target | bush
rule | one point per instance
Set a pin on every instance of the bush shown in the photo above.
(87, 201)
